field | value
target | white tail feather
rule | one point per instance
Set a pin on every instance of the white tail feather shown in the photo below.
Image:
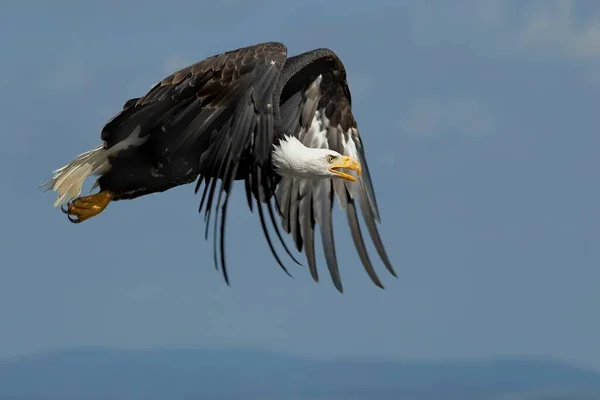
(68, 180)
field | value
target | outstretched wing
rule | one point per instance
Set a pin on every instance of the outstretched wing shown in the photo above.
(316, 107)
(202, 98)
(221, 107)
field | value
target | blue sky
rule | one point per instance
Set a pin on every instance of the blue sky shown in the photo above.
(480, 121)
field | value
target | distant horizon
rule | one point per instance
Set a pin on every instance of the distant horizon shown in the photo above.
(290, 354)
(181, 373)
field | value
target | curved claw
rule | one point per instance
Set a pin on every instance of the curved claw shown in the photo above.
(86, 207)
(73, 219)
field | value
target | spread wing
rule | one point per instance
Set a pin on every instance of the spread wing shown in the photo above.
(194, 103)
(316, 107)
(220, 107)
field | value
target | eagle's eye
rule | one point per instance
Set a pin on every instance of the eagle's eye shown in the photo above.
(330, 158)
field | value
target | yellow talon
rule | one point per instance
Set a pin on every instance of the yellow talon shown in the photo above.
(86, 207)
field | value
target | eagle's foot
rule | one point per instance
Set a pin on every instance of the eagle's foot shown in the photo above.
(86, 207)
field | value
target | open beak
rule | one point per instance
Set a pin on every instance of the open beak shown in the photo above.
(345, 162)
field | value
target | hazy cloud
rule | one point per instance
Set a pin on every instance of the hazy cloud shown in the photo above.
(506, 27)
(553, 25)
(437, 117)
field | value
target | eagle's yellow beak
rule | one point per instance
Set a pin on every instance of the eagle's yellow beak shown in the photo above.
(346, 163)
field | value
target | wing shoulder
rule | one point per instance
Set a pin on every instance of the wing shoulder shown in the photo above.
(203, 84)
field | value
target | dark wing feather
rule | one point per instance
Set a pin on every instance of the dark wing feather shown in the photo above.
(315, 105)
(221, 108)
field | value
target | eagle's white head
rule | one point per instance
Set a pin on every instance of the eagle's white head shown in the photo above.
(294, 159)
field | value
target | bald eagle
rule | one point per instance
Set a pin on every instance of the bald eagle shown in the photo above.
(283, 126)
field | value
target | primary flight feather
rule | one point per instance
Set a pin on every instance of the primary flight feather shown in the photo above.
(283, 126)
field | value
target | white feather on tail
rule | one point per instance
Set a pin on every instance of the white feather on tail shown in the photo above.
(68, 180)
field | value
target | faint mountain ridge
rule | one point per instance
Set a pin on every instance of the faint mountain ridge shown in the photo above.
(181, 373)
